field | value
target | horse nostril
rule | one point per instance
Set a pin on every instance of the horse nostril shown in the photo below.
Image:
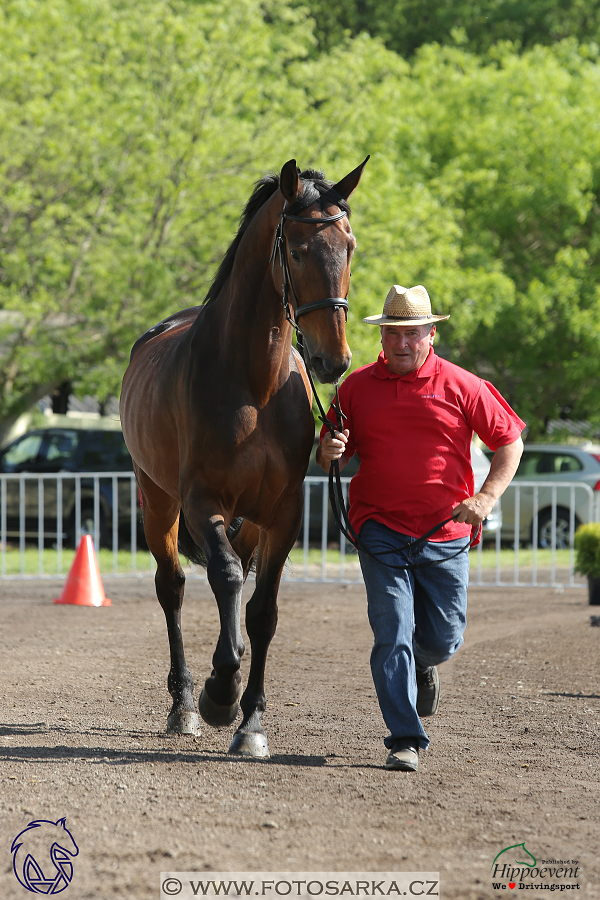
(329, 369)
(322, 365)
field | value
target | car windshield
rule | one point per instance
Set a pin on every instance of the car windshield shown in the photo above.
(41, 451)
(60, 447)
(540, 462)
(22, 452)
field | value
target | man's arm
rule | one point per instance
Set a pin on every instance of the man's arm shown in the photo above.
(502, 469)
(332, 448)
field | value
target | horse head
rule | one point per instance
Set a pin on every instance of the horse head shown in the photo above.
(314, 258)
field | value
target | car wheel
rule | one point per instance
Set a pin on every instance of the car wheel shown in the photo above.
(563, 526)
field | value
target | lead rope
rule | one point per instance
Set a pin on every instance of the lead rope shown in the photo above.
(336, 496)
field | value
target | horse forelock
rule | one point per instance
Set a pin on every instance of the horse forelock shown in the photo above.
(315, 188)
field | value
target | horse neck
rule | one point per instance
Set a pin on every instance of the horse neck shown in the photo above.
(255, 338)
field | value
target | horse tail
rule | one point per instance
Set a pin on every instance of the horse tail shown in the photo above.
(188, 547)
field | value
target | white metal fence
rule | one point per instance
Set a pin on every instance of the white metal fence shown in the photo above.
(42, 519)
(43, 516)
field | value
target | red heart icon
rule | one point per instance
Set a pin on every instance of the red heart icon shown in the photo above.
(512, 884)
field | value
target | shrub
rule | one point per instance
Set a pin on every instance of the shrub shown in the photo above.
(587, 549)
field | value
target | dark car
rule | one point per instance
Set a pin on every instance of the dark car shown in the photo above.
(64, 450)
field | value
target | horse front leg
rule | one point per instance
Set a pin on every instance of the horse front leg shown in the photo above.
(219, 700)
(261, 621)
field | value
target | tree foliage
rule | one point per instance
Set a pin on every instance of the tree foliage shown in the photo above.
(406, 25)
(483, 186)
(132, 134)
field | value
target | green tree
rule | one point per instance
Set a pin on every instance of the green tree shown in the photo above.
(130, 136)
(483, 185)
(406, 25)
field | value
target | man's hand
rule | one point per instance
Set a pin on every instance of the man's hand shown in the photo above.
(332, 448)
(473, 510)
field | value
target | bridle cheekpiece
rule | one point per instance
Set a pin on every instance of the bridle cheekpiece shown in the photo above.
(280, 250)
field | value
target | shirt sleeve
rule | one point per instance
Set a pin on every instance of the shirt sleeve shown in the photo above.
(496, 423)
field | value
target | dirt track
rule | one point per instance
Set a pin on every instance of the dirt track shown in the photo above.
(514, 755)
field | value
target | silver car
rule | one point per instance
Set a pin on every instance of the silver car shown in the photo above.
(546, 473)
(481, 467)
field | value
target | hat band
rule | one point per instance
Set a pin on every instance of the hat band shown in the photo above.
(422, 316)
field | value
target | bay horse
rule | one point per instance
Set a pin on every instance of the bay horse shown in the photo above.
(216, 410)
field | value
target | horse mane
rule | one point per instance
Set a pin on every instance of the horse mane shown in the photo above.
(316, 187)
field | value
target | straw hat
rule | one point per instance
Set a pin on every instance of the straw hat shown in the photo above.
(406, 306)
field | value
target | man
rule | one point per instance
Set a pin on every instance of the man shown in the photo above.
(411, 416)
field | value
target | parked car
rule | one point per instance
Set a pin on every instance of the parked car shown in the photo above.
(64, 450)
(553, 464)
(479, 462)
(481, 468)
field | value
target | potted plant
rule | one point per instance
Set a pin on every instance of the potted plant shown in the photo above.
(587, 558)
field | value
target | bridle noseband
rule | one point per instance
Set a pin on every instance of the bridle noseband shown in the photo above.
(280, 249)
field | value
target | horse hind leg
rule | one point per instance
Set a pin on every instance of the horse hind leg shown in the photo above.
(161, 517)
(183, 718)
(261, 621)
(244, 541)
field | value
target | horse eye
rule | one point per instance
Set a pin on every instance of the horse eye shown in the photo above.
(295, 255)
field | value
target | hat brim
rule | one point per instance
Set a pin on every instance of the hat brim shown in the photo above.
(393, 320)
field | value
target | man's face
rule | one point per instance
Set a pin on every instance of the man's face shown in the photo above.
(406, 347)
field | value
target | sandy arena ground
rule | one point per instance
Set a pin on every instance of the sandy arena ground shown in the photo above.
(514, 754)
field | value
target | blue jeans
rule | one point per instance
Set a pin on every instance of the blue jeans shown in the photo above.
(418, 619)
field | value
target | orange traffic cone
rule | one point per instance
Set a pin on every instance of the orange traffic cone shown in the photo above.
(84, 585)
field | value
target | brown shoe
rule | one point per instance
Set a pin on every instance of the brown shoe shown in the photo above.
(404, 756)
(428, 692)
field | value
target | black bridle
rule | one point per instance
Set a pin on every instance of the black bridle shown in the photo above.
(336, 497)
(280, 250)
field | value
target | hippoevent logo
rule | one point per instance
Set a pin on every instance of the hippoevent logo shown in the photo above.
(516, 868)
(42, 855)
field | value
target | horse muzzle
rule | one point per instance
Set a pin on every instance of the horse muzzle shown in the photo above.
(330, 369)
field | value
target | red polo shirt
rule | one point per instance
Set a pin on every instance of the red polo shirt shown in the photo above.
(412, 434)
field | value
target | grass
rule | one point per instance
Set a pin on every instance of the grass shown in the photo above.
(12, 563)
(488, 558)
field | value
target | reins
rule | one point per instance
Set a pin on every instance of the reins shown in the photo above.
(336, 497)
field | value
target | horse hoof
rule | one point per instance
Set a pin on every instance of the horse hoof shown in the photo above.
(183, 723)
(250, 744)
(215, 715)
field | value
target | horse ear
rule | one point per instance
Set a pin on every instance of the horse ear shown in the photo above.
(349, 184)
(289, 182)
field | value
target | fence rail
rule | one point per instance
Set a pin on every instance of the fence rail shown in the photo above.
(42, 519)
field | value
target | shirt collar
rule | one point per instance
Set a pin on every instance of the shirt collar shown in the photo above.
(431, 366)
